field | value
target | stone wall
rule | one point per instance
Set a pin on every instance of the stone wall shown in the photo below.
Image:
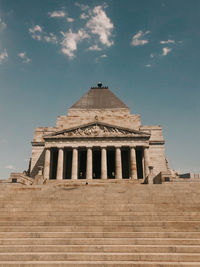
(157, 158)
(119, 117)
(37, 159)
(156, 148)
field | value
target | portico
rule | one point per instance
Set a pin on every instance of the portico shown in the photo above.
(97, 162)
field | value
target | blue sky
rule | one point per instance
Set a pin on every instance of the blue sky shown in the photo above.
(53, 51)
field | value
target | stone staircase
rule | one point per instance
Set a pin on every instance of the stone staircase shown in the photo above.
(100, 224)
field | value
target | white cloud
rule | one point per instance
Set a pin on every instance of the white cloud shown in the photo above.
(95, 48)
(10, 167)
(57, 14)
(3, 56)
(70, 41)
(152, 55)
(167, 42)
(166, 50)
(104, 56)
(137, 41)
(82, 6)
(36, 32)
(101, 25)
(84, 16)
(70, 19)
(51, 38)
(24, 57)
(148, 65)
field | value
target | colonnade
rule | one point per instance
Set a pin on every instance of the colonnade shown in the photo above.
(89, 163)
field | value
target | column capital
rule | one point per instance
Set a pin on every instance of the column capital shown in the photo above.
(133, 146)
(146, 147)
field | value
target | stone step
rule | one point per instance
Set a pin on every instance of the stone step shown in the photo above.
(100, 241)
(92, 228)
(101, 248)
(96, 263)
(102, 256)
(133, 208)
(165, 224)
(29, 234)
(119, 218)
(29, 213)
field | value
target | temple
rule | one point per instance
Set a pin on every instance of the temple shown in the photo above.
(98, 139)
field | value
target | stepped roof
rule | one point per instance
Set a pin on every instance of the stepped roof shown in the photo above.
(99, 98)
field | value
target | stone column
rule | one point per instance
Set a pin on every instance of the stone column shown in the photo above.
(47, 163)
(133, 165)
(59, 175)
(103, 163)
(89, 164)
(146, 161)
(118, 163)
(74, 164)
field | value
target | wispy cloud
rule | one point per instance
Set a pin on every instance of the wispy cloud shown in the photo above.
(138, 38)
(82, 6)
(3, 56)
(10, 167)
(70, 41)
(103, 56)
(167, 42)
(84, 16)
(101, 25)
(60, 14)
(24, 57)
(166, 51)
(95, 48)
(36, 32)
(57, 14)
(50, 38)
(148, 65)
(70, 19)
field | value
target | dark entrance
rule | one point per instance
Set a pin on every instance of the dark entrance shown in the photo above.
(111, 163)
(67, 164)
(125, 154)
(96, 163)
(139, 157)
(82, 164)
(53, 163)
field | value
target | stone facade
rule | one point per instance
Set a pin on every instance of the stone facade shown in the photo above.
(98, 139)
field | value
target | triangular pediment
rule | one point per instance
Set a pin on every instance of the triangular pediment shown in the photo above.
(97, 129)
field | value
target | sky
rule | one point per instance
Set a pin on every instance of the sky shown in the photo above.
(53, 51)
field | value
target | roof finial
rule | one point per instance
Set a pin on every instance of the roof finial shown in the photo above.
(99, 84)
